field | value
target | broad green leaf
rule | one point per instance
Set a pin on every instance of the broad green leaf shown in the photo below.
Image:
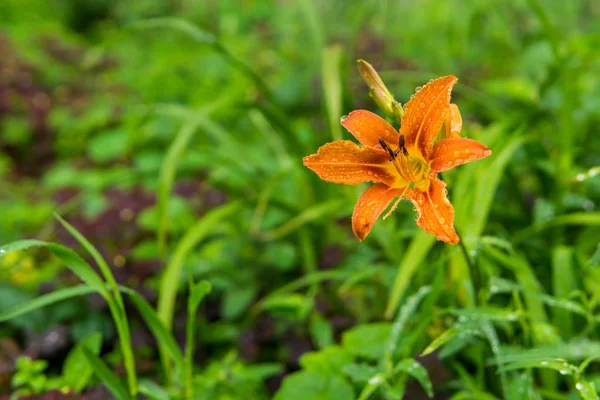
(417, 371)
(321, 330)
(360, 373)
(367, 340)
(306, 385)
(106, 376)
(199, 291)
(329, 361)
(77, 371)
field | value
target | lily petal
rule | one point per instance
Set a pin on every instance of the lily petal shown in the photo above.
(343, 161)
(435, 213)
(453, 121)
(368, 127)
(448, 153)
(374, 200)
(425, 113)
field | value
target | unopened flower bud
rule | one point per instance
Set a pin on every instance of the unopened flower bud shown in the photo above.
(378, 91)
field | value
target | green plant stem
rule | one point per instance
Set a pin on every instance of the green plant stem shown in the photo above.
(189, 343)
(475, 277)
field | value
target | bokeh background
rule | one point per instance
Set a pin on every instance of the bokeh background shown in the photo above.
(134, 129)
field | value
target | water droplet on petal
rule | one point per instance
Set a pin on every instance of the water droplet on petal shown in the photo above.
(343, 118)
(487, 153)
(457, 153)
(418, 88)
(458, 161)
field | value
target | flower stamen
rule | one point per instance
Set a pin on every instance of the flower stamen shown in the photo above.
(400, 160)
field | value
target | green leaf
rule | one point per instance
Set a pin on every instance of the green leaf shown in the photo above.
(521, 388)
(417, 371)
(329, 361)
(367, 340)
(167, 175)
(586, 389)
(77, 371)
(321, 330)
(360, 373)
(199, 291)
(415, 254)
(407, 310)
(237, 299)
(45, 300)
(486, 185)
(153, 391)
(311, 214)
(106, 376)
(307, 385)
(463, 329)
(115, 303)
(108, 146)
(172, 275)
(160, 332)
(558, 364)
(332, 88)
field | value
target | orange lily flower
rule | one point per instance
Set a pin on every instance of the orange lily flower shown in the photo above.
(402, 164)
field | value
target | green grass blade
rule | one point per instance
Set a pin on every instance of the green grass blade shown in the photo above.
(45, 300)
(106, 376)
(463, 329)
(407, 311)
(314, 213)
(557, 364)
(118, 310)
(486, 186)
(86, 273)
(415, 254)
(332, 88)
(172, 275)
(206, 38)
(167, 177)
(197, 292)
(153, 391)
(197, 34)
(104, 268)
(411, 367)
(163, 337)
(577, 218)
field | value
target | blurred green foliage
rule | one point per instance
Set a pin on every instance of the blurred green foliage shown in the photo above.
(170, 135)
